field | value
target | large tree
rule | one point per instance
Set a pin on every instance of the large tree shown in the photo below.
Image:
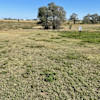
(91, 19)
(51, 16)
(74, 17)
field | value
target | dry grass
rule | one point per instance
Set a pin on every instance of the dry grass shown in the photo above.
(86, 27)
(14, 24)
(38, 65)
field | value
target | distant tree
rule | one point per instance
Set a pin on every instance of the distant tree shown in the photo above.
(91, 19)
(74, 17)
(94, 18)
(99, 18)
(51, 16)
(87, 19)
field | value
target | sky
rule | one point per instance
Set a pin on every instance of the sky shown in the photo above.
(28, 9)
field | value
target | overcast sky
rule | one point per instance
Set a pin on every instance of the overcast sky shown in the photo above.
(28, 9)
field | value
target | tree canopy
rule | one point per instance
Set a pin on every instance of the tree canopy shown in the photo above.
(91, 19)
(51, 16)
(74, 17)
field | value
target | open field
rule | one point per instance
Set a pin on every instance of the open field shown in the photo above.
(49, 65)
(14, 24)
(86, 27)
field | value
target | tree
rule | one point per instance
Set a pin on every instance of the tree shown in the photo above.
(74, 17)
(51, 16)
(43, 16)
(91, 19)
(87, 19)
(94, 18)
(99, 18)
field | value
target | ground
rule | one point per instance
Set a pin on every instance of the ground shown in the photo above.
(49, 65)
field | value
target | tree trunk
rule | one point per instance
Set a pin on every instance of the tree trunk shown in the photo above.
(54, 27)
(53, 22)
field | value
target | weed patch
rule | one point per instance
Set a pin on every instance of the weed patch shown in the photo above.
(49, 75)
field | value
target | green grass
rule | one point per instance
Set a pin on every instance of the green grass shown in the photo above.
(38, 65)
(49, 75)
(90, 37)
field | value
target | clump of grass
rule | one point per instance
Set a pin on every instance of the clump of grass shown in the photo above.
(28, 71)
(26, 74)
(3, 67)
(38, 34)
(72, 56)
(39, 46)
(31, 38)
(57, 58)
(31, 46)
(81, 43)
(4, 52)
(67, 64)
(3, 72)
(70, 73)
(35, 46)
(6, 41)
(50, 78)
(29, 66)
(55, 38)
(1, 47)
(57, 68)
(49, 75)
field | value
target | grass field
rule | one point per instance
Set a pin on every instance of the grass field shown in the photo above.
(14, 24)
(49, 65)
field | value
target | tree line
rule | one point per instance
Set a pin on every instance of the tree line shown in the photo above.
(52, 16)
(88, 19)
